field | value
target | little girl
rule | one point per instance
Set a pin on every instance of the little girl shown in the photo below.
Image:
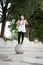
(21, 28)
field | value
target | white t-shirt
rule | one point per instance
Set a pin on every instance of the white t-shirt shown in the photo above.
(21, 26)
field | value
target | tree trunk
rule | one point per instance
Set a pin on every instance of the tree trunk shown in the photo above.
(27, 33)
(3, 23)
(30, 29)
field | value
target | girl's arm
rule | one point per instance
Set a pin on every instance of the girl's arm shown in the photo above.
(18, 22)
(26, 22)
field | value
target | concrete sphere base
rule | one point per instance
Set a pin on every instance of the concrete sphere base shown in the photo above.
(19, 49)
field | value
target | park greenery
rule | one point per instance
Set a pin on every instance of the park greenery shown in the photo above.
(36, 25)
(31, 9)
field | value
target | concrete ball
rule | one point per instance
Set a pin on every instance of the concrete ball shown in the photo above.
(19, 49)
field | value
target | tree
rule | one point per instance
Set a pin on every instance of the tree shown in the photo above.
(25, 7)
(5, 9)
(14, 8)
(37, 24)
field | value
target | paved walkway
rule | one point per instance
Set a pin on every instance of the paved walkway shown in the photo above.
(31, 56)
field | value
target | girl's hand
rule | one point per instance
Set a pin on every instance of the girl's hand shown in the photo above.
(26, 22)
(23, 23)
